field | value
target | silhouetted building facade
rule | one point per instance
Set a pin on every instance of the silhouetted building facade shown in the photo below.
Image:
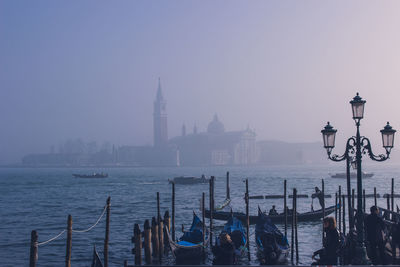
(160, 126)
(216, 147)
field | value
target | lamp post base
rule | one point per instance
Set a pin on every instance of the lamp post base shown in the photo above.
(361, 257)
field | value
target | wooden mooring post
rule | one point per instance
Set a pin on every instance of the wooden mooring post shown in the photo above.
(167, 228)
(107, 236)
(137, 234)
(353, 193)
(154, 238)
(203, 215)
(160, 229)
(344, 214)
(336, 204)
(295, 225)
(69, 242)
(211, 210)
(340, 208)
(375, 201)
(292, 235)
(247, 218)
(392, 196)
(158, 207)
(388, 207)
(323, 209)
(173, 211)
(364, 202)
(161, 238)
(285, 206)
(228, 193)
(348, 185)
(34, 249)
(147, 242)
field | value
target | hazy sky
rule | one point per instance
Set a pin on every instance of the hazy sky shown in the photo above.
(89, 69)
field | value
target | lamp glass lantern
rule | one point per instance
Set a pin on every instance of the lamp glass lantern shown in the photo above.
(388, 137)
(328, 136)
(357, 106)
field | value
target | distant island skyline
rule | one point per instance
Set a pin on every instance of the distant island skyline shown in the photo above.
(213, 147)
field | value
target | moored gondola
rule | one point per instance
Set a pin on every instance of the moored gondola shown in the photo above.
(230, 245)
(189, 248)
(279, 218)
(272, 245)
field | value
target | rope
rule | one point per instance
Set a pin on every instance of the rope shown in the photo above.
(91, 227)
(51, 239)
(76, 231)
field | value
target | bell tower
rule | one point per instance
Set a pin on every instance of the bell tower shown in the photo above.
(160, 127)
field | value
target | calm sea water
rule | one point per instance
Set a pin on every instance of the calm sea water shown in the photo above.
(41, 199)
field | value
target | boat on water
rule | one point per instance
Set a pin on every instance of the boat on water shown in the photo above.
(189, 247)
(94, 175)
(279, 218)
(272, 245)
(189, 180)
(234, 228)
(352, 175)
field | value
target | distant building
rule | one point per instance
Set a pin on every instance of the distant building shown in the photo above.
(161, 154)
(216, 147)
(160, 126)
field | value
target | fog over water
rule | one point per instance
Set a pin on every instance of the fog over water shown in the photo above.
(90, 69)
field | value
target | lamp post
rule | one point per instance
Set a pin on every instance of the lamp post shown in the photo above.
(358, 145)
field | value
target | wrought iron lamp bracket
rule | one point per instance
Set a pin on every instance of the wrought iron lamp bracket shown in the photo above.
(350, 149)
(367, 149)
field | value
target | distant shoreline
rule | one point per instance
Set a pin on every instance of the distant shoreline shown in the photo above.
(154, 166)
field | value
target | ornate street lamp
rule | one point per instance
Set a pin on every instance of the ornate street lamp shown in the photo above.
(329, 135)
(358, 145)
(357, 106)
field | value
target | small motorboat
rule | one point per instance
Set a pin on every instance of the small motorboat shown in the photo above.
(352, 175)
(235, 230)
(94, 175)
(272, 245)
(189, 248)
(189, 180)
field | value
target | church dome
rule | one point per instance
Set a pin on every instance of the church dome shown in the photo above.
(215, 126)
